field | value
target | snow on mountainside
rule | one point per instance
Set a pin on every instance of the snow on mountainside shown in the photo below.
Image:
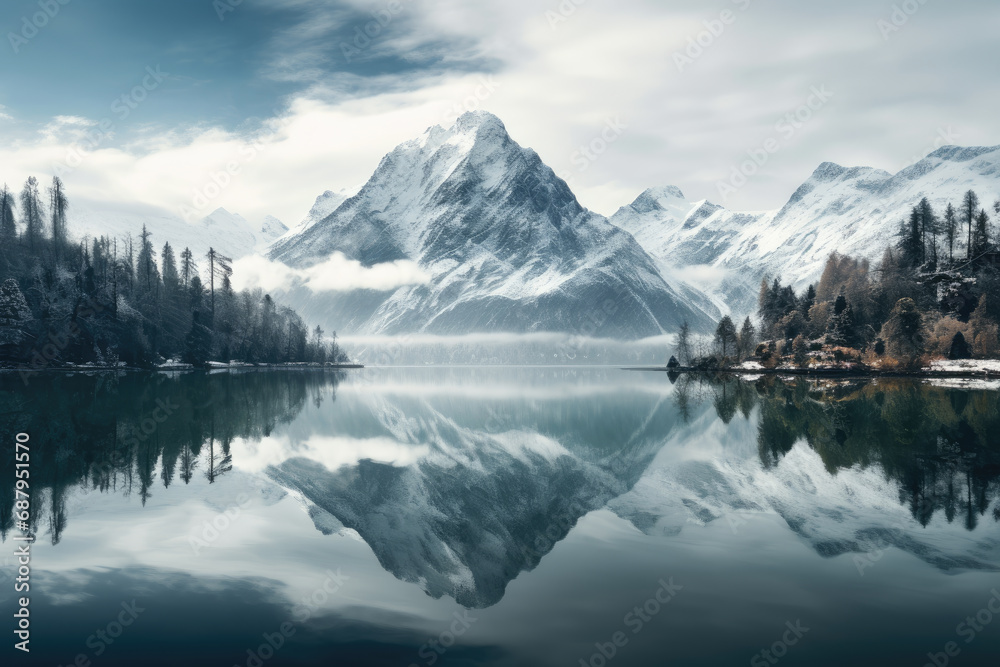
(853, 211)
(325, 204)
(272, 228)
(229, 233)
(508, 247)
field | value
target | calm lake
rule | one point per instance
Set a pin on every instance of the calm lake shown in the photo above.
(491, 516)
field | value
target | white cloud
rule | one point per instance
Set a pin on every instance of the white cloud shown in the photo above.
(336, 274)
(555, 90)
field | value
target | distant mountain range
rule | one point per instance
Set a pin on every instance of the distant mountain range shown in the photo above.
(510, 249)
(229, 233)
(853, 211)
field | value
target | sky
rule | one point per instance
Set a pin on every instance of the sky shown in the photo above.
(259, 106)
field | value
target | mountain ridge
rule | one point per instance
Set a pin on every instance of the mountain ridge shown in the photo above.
(850, 210)
(508, 245)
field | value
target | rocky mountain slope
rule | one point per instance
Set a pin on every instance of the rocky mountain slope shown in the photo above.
(506, 243)
(853, 211)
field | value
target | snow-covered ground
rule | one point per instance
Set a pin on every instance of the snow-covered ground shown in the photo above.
(967, 365)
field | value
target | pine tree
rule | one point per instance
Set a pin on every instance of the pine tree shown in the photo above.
(8, 231)
(725, 336)
(219, 266)
(8, 225)
(806, 303)
(800, 350)
(171, 279)
(980, 236)
(903, 333)
(198, 344)
(58, 205)
(31, 212)
(189, 268)
(970, 206)
(951, 230)
(911, 240)
(319, 354)
(747, 339)
(15, 318)
(840, 330)
(683, 350)
(148, 274)
(929, 230)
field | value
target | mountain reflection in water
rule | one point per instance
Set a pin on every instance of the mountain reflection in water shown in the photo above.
(461, 480)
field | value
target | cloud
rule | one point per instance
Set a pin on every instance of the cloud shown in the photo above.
(555, 85)
(336, 274)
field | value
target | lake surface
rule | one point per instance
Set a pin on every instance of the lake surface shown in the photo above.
(519, 516)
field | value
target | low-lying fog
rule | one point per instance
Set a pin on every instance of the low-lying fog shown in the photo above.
(546, 349)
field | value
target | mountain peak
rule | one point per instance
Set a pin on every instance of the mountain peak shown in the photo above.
(478, 121)
(656, 199)
(962, 154)
(272, 227)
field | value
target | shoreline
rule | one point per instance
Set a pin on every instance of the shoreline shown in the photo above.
(841, 373)
(182, 369)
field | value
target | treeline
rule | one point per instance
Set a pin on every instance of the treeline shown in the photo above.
(131, 434)
(108, 301)
(936, 444)
(934, 294)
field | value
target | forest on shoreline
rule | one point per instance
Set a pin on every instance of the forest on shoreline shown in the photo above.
(112, 302)
(933, 296)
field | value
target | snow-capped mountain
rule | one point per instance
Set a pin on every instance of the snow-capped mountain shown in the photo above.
(325, 204)
(273, 228)
(229, 233)
(467, 502)
(506, 243)
(853, 211)
(461, 495)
